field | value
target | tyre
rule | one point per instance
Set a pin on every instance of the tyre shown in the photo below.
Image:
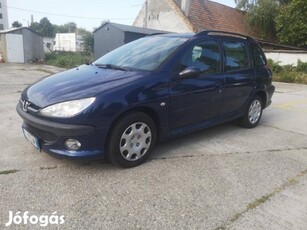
(253, 113)
(131, 140)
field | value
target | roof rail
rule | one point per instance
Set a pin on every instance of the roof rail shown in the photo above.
(207, 32)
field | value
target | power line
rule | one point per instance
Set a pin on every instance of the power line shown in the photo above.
(62, 15)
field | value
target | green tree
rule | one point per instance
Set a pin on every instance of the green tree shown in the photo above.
(261, 15)
(69, 27)
(88, 43)
(44, 27)
(16, 24)
(291, 23)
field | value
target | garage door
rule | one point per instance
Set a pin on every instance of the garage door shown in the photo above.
(14, 48)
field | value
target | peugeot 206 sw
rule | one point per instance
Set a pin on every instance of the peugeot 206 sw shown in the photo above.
(149, 90)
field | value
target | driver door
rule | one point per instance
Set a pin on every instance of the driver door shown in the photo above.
(197, 97)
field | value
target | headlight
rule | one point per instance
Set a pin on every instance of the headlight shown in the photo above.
(67, 108)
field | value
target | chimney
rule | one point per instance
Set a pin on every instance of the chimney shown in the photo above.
(185, 5)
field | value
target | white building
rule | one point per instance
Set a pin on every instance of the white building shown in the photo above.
(67, 42)
(4, 22)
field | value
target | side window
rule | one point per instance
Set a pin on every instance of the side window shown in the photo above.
(259, 58)
(236, 56)
(205, 56)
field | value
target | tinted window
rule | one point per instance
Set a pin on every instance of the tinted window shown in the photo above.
(259, 57)
(205, 56)
(236, 56)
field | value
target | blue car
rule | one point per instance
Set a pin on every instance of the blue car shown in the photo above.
(152, 89)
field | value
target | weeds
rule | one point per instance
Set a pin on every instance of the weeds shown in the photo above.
(67, 59)
(289, 73)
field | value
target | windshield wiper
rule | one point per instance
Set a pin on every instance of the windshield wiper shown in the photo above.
(110, 66)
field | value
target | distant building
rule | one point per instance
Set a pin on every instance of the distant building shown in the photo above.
(71, 42)
(109, 36)
(185, 16)
(4, 22)
(21, 45)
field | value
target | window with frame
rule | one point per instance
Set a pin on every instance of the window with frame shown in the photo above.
(1, 27)
(205, 56)
(236, 55)
(259, 58)
(0, 16)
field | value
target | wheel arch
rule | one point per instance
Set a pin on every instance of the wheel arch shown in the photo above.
(263, 97)
(143, 109)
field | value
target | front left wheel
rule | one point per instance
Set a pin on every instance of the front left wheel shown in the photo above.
(131, 140)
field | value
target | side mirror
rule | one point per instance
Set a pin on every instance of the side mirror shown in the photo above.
(189, 72)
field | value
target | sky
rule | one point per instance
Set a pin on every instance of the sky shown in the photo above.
(86, 14)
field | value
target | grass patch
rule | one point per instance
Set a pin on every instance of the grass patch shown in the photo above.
(67, 59)
(289, 73)
(5, 172)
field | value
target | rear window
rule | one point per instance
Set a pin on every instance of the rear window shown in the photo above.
(236, 55)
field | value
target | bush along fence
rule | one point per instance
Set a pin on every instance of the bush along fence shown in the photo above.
(289, 73)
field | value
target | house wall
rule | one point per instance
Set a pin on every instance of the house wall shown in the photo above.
(4, 22)
(33, 46)
(106, 39)
(160, 16)
(287, 57)
(3, 50)
(65, 42)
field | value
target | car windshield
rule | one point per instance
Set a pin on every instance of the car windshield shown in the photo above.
(147, 53)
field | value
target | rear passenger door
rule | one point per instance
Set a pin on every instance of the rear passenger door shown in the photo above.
(239, 76)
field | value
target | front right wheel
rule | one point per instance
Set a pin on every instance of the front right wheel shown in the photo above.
(253, 113)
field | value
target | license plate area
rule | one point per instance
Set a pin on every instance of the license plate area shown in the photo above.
(32, 139)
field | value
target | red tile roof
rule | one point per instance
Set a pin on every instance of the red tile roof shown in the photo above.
(204, 14)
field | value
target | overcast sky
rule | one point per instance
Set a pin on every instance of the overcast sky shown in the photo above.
(87, 14)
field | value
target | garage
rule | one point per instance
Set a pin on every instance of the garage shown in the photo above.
(21, 45)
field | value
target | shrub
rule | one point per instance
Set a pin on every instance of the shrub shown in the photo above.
(67, 59)
(301, 66)
(289, 73)
(274, 66)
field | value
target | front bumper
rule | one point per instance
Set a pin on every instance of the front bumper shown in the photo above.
(52, 136)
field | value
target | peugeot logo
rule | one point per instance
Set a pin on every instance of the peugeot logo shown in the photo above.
(25, 106)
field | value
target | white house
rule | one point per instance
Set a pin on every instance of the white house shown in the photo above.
(4, 22)
(67, 42)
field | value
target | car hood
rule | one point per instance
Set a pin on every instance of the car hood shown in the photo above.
(82, 82)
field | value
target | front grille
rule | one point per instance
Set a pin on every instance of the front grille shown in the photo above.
(41, 134)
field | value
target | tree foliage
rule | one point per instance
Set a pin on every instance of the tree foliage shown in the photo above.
(69, 27)
(16, 24)
(44, 27)
(284, 18)
(88, 43)
(291, 23)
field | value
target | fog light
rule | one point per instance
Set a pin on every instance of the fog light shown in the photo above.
(72, 144)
